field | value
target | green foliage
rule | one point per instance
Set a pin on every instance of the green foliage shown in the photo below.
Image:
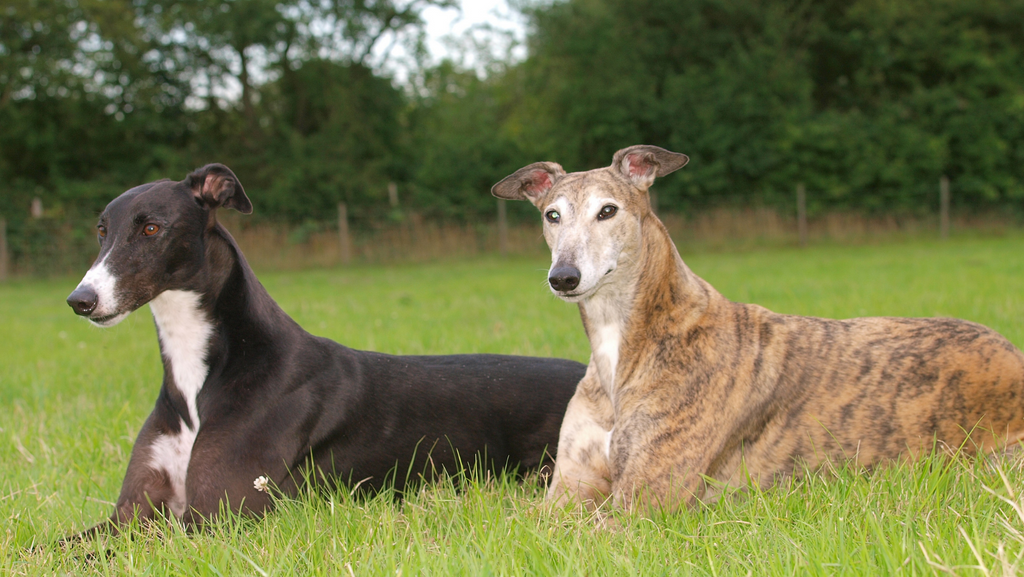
(330, 133)
(867, 102)
(461, 142)
(84, 104)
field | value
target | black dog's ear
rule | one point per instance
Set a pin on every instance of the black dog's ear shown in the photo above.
(530, 182)
(641, 163)
(214, 186)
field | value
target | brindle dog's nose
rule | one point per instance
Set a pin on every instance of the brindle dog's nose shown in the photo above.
(564, 278)
(83, 300)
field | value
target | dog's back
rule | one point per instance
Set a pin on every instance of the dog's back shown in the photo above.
(416, 416)
(792, 392)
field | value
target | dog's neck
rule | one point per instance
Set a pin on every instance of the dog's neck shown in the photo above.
(649, 291)
(605, 316)
(184, 330)
(224, 310)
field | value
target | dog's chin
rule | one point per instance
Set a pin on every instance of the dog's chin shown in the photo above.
(573, 296)
(108, 320)
(581, 293)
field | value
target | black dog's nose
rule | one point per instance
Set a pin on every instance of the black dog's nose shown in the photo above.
(83, 300)
(564, 278)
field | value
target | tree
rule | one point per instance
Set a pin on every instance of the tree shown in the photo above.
(339, 142)
(868, 102)
(462, 141)
(82, 95)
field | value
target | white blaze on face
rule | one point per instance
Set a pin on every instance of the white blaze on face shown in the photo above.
(184, 333)
(564, 209)
(592, 246)
(104, 284)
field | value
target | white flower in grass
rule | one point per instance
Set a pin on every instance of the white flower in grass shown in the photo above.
(262, 484)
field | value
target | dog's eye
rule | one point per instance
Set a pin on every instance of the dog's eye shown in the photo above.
(552, 216)
(607, 211)
(150, 230)
(102, 231)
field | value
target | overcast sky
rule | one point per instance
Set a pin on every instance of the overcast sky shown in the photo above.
(447, 34)
(446, 22)
(447, 25)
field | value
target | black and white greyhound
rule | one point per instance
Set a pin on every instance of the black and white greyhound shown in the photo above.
(250, 399)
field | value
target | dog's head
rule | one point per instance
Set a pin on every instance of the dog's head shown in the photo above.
(591, 219)
(152, 239)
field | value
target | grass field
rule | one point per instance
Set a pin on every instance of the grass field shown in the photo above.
(72, 398)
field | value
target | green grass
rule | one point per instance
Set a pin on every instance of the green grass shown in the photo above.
(72, 398)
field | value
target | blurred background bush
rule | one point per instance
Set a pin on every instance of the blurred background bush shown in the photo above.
(867, 102)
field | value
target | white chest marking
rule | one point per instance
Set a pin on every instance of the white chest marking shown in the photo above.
(172, 453)
(606, 322)
(184, 333)
(607, 339)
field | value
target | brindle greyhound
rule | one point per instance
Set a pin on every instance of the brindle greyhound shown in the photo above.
(688, 392)
(249, 398)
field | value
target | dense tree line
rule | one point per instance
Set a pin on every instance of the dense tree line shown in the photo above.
(868, 102)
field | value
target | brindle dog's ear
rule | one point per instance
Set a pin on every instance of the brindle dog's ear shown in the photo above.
(530, 182)
(641, 163)
(214, 186)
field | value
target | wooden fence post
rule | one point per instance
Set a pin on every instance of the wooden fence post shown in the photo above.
(502, 228)
(944, 207)
(393, 194)
(4, 257)
(344, 241)
(801, 213)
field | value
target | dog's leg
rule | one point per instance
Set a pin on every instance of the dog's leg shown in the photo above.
(228, 475)
(145, 491)
(661, 464)
(581, 466)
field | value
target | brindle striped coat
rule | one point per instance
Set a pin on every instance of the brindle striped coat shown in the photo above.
(685, 386)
